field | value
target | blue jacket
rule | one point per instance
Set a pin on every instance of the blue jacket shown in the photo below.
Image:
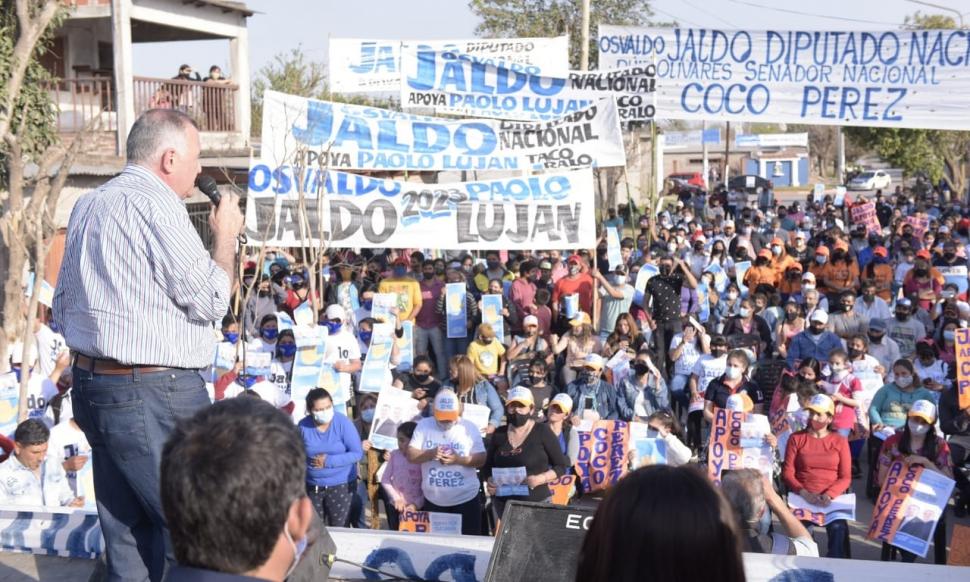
(340, 443)
(802, 346)
(605, 400)
(485, 394)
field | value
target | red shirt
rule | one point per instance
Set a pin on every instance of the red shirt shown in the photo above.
(582, 284)
(818, 465)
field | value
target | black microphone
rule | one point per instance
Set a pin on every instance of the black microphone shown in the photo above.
(208, 187)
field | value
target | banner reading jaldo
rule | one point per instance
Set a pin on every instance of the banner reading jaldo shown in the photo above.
(360, 65)
(892, 78)
(312, 134)
(448, 84)
(962, 345)
(550, 211)
(910, 503)
(602, 457)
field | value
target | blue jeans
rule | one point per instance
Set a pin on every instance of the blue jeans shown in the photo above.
(127, 419)
(456, 346)
(436, 337)
(837, 533)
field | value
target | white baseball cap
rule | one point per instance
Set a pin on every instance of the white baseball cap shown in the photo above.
(336, 312)
(530, 320)
(819, 316)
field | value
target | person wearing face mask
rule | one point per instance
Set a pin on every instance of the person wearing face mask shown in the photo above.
(818, 466)
(557, 418)
(881, 346)
(342, 348)
(919, 444)
(419, 382)
(905, 329)
(698, 258)
(791, 325)
(753, 497)
(367, 480)
(932, 371)
(529, 346)
(457, 345)
(946, 341)
(449, 449)
(869, 304)
(298, 293)
(578, 282)
(923, 281)
(616, 296)
(594, 398)
(840, 274)
(817, 268)
(845, 390)
(472, 388)
(749, 330)
(644, 392)
(428, 322)
(880, 272)
(406, 289)
(815, 342)
(761, 272)
(268, 333)
(281, 367)
(231, 529)
(523, 443)
(264, 300)
(664, 292)
(685, 349)
(333, 449)
(706, 368)
(733, 381)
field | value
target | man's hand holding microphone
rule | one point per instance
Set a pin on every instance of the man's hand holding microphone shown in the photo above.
(226, 221)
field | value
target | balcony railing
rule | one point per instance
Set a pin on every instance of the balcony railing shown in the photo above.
(211, 104)
(85, 104)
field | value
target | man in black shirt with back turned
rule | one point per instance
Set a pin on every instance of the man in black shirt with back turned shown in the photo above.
(665, 289)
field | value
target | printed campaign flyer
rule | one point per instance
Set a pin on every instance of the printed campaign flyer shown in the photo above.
(909, 506)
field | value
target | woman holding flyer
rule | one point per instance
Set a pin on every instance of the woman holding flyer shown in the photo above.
(523, 456)
(818, 466)
(919, 444)
(471, 388)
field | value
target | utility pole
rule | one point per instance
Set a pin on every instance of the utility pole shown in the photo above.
(707, 168)
(584, 50)
(840, 157)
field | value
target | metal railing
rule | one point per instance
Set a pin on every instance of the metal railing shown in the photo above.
(84, 103)
(211, 104)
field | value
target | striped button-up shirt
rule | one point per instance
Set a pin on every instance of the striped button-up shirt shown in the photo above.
(136, 285)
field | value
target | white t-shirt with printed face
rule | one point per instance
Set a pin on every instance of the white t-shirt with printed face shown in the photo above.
(342, 347)
(67, 441)
(448, 485)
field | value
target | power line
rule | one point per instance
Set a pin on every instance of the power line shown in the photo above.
(676, 19)
(812, 14)
(702, 11)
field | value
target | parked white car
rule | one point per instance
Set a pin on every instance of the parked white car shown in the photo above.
(870, 180)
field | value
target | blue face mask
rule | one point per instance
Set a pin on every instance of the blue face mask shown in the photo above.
(334, 327)
(269, 334)
(286, 350)
(246, 381)
(369, 304)
(231, 336)
(365, 336)
(367, 415)
(16, 372)
(400, 271)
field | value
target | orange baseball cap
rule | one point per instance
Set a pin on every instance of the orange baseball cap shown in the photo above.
(923, 254)
(881, 252)
(446, 406)
(764, 253)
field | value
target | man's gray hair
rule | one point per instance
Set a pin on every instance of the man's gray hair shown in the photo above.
(746, 494)
(157, 130)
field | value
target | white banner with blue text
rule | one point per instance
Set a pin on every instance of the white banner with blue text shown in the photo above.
(548, 211)
(892, 78)
(311, 133)
(451, 85)
(366, 65)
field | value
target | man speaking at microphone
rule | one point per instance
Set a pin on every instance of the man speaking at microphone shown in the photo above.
(137, 296)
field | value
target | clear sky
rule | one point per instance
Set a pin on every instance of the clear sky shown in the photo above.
(284, 24)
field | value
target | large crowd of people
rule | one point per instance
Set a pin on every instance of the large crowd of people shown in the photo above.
(794, 306)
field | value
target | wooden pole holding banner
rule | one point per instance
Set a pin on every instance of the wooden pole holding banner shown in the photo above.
(584, 50)
(727, 153)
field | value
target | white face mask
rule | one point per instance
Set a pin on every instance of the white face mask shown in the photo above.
(745, 312)
(298, 549)
(323, 416)
(918, 428)
(732, 373)
(904, 381)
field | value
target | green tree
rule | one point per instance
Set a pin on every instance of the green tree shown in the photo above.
(34, 162)
(294, 73)
(544, 18)
(941, 154)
